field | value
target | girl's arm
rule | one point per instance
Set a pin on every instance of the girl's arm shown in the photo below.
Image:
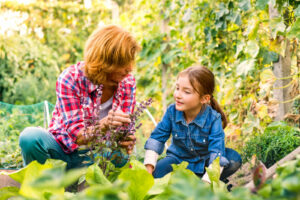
(155, 144)
(216, 146)
(216, 143)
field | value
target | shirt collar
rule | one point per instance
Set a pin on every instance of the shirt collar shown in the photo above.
(91, 86)
(199, 120)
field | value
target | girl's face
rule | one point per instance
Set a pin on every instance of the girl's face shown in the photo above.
(186, 98)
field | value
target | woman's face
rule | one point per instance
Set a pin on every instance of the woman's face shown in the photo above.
(120, 73)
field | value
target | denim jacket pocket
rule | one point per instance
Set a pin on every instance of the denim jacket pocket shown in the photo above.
(200, 141)
(179, 138)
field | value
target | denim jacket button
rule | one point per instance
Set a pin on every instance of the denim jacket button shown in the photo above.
(203, 140)
(176, 135)
(192, 149)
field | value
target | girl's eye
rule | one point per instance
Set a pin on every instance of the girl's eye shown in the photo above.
(187, 92)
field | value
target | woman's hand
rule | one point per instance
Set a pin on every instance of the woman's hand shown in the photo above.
(84, 138)
(149, 168)
(117, 118)
(128, 143)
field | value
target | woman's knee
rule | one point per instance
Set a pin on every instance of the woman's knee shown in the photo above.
(29, 137)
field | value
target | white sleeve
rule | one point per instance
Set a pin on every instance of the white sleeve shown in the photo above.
(150, 158)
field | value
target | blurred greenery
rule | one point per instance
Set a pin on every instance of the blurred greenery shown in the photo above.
(48, 181)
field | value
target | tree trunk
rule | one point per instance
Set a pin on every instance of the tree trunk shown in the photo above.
(282, 69)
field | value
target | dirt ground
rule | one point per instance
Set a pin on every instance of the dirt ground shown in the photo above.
(242, 176)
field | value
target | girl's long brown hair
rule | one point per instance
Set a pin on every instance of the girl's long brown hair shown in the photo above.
(203, 82)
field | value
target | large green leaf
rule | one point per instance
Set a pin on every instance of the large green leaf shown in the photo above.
(94, 176)
(8, 192)
(140, 181)
(245, 5)
(252, 48)
(261, 4)
(33, 172)
(295, 30)
(159, 185)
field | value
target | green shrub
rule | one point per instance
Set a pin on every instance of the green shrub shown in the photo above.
(277, 141)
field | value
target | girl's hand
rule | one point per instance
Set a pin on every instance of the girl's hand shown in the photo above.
(128, 143)
(117, 118)
(149, 168)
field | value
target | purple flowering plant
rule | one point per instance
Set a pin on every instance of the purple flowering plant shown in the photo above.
(104, 149)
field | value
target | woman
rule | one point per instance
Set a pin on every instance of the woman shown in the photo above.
(104, 77)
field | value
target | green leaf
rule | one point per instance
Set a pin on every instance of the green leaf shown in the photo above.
(277, 25)
(222, 11)
(265, 191)
(295, 30)
(8, 192)
(244, 67)
(213, 171)
(266, 75)
(183, 165)
(292, 183)
(268, 56)
(20, 174)
(140, 182)
(167, 58)
(35, 172)
(72, 176)
(244, 5)
(159, 185)
(261, 4)
(252, 48)
(94, 176)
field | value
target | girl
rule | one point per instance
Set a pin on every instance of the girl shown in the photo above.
(196, 123)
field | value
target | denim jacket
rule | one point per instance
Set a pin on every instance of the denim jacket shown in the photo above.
(197, 142)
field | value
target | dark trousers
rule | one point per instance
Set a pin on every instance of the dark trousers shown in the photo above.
(164, 167)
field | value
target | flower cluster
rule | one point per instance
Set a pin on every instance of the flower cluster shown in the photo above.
(105, 148)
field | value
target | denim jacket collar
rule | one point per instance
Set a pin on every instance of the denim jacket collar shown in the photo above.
(199, 120)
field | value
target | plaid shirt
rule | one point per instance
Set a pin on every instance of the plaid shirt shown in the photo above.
(75, 93)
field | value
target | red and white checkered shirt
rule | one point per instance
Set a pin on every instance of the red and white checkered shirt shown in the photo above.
(75, 93)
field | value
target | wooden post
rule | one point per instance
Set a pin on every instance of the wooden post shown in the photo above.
(282, 69)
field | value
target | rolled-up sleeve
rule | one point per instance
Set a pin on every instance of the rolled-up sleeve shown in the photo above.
(216, 145)
(160, 135)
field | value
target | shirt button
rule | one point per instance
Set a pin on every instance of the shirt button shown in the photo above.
(192, 149)
(203, 140)
(176, 135)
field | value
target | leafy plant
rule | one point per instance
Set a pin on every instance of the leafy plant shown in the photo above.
(105, 148)
(278, 140)
(134, 182)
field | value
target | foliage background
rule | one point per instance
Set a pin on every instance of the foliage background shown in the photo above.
(237, 40)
